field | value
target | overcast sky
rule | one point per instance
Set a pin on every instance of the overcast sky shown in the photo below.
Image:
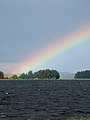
(28, 25)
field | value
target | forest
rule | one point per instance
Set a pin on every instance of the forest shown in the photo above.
(83, 74)
(44, 74)
(41, 74)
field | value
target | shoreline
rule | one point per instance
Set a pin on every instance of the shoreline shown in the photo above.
(47, 79)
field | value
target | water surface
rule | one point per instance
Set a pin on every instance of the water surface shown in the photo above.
(43, 99)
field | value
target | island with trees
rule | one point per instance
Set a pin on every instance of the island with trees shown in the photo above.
(45, 75)
(41, 75)
(83, 74)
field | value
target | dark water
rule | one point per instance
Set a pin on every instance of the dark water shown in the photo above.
(40, 100)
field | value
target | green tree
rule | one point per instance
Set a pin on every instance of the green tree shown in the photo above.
(14, 77)
(1, 75)
(83, 74)
(29, 75)
(47, 74)
(23, 76)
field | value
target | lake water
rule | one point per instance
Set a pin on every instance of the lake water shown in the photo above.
(43, 99)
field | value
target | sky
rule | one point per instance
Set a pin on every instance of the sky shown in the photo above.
(28, 26)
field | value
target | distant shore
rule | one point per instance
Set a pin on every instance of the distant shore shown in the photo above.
(48, 79)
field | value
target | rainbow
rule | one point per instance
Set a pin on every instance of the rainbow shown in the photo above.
(58, 47)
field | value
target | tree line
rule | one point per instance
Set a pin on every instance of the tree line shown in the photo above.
(45, 74)
(41, 74)
(83, 74)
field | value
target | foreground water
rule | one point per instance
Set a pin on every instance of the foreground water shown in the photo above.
(44, 99)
